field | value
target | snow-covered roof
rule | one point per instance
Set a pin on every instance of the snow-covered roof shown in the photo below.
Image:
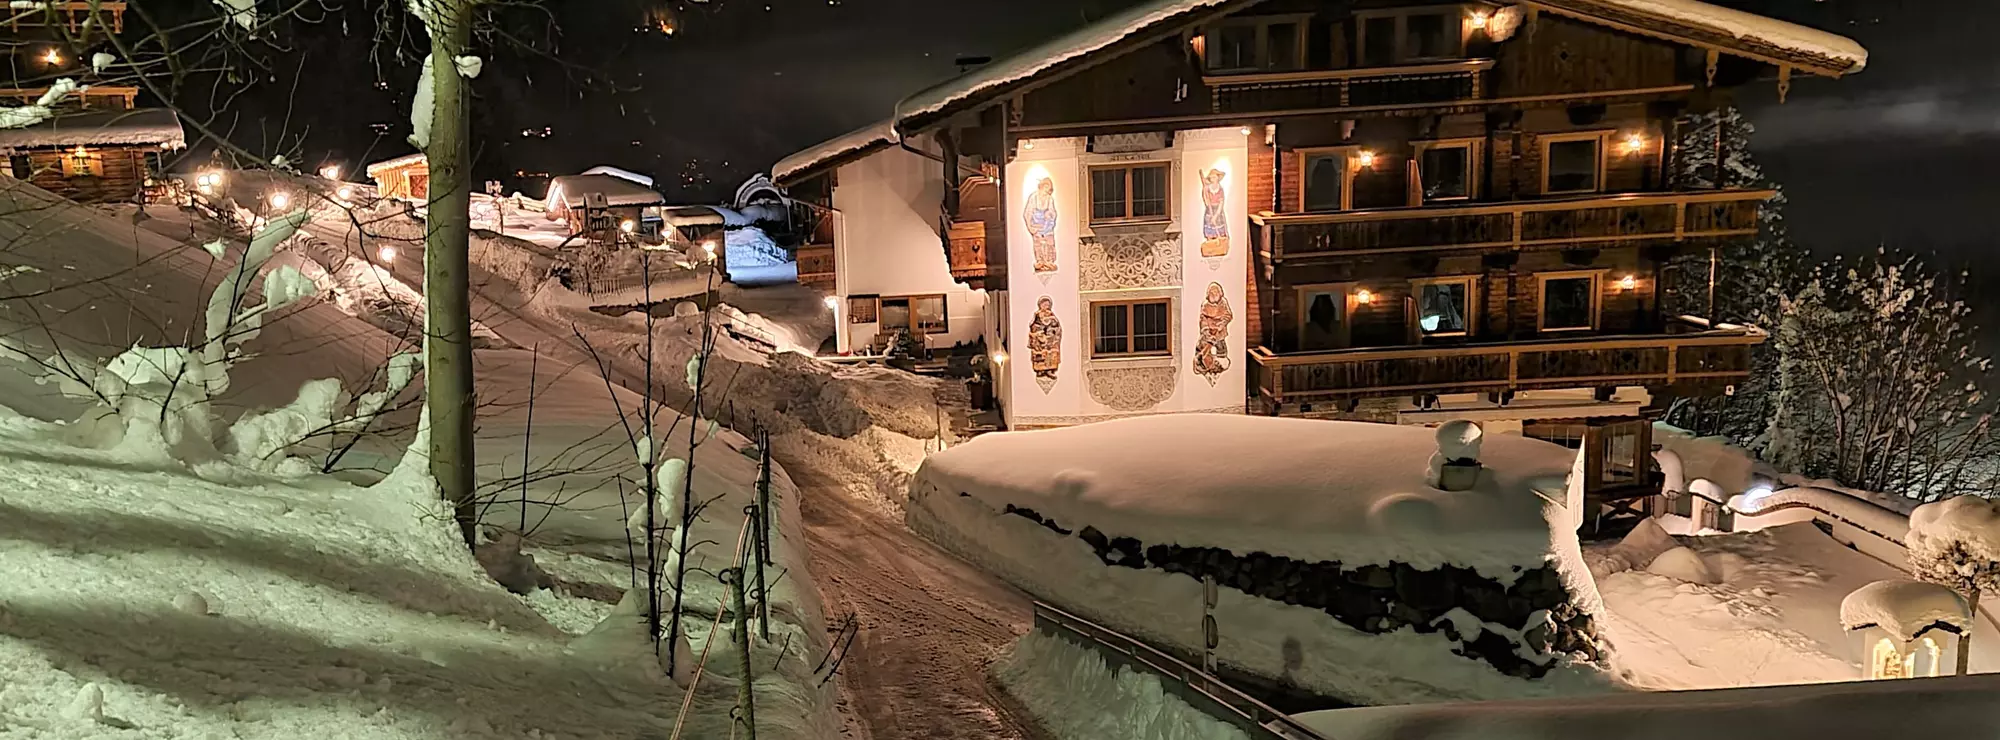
(1306, 489)
(618, 192)
(402, 161)
(861, 139)
(1746, 32)
(1026, 64)
(1907, 609)
(155, 126)
(605, 169)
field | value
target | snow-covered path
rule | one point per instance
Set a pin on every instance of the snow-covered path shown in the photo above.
(930, 623)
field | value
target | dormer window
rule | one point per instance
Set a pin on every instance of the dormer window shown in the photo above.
(1255, 44)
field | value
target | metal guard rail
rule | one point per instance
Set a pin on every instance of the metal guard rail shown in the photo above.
(1247, 710)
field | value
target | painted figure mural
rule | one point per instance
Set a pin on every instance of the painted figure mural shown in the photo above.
(1040, 216)
(1045, 343)
(1211, 350)
(1214, 214)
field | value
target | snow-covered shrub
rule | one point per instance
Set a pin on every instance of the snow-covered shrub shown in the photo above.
(1956, 543)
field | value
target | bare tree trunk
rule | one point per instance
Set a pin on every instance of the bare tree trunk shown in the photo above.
(447, 247)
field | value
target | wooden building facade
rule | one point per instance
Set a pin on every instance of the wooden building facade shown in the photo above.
(96, 144)
(1424, 210)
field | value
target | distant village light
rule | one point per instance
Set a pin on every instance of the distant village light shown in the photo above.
(281, 199)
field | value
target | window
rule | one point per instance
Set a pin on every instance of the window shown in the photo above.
(1447, 169)
(918, 314)
(81, 162)
(23, 168)
(1323, 317)
(1250, 44)
(862, 309)
(1569, 301)
(1389, 38)
(1128, 193)
(1129, 328)
(1326, 179)
(1443, 306)
(1573, 163)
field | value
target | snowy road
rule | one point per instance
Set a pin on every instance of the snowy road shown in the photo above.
(930, 623)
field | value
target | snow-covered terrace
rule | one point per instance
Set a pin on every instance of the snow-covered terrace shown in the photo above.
(155, 126)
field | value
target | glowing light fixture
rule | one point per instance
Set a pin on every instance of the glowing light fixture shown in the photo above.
(387, 253)
(1479, 19)
(346, 192)
(330, 172)
(1364, 297)
(1754, 498)
(1028, 144)
(1635, 143)
(1628, 282)
(709, 247)
(281, 199)
(1364, 159)
(832, 303)
(1000, 357)
(1246, 130)
(628, 226)
(53, 58)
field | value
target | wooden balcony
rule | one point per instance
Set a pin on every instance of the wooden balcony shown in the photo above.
(1350, 88)
(1526, 224)
(70, 13)
(816, 266)
(976, 235)
(1700, 359)
(967, 254)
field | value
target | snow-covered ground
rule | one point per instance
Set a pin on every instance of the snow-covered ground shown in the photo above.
(341, 610)
(1078, 696)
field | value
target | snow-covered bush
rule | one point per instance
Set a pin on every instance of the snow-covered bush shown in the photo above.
(1956, 543)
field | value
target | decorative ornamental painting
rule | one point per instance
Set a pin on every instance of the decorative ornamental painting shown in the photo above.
(1130, 388)
(1214, 214)
(1125, 261)
(1211, 351)
(1045, 343)
(1040, 216)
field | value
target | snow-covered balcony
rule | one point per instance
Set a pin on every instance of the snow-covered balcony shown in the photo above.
(1346, 89)
(1595, 220)
(1701, 357)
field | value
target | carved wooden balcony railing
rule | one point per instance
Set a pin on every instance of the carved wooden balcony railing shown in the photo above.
(1350, 88)
(976, 235)
(1696, 360)
(71, 13)
(816, 266)
(968, 253)
(1527, 224)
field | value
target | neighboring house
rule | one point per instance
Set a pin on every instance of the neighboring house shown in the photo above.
(1393, 211)
(403, 178)
(98, 146)
(600, 206)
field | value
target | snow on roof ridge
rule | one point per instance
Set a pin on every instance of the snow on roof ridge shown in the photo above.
(407, 159)
(880, 132)
(1744, 26)
(1032, 60)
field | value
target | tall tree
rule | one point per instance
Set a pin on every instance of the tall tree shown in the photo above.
(1878, 384)
(442, 134)
(1713, 151)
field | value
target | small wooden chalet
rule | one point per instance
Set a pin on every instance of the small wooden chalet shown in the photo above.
(403, 178)
(1394, 210)
(97, 145)
(605, 208)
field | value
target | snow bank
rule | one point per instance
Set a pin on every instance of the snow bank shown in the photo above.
(1904, 608)
(1077, 696)
(1351, 492)
(1938, 707)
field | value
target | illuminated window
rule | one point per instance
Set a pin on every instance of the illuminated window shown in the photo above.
(1442, 307)
(81, 162)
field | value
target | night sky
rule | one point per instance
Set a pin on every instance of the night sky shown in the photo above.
(1900, 155)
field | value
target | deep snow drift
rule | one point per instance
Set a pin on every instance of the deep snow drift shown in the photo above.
(1092, 519)
(1078, 696)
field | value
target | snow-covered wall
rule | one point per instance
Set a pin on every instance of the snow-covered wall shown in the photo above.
(1178, 259)
(889, 245)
